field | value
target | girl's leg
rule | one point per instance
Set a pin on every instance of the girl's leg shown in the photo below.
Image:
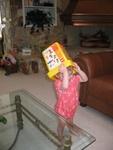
(72, 128)
(60, 127)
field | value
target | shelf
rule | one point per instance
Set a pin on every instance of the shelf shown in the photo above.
(44, 7)
(28, 6)
(73, 51)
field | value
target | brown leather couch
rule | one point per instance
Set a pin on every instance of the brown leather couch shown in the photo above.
(98, 91)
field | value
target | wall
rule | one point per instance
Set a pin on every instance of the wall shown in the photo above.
(5, 12)
(21, 36)
(16, 35)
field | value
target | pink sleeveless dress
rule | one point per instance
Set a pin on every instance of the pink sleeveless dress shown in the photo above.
(67, 102)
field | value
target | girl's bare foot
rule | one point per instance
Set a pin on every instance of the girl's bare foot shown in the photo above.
(61, 141)
(74, 129)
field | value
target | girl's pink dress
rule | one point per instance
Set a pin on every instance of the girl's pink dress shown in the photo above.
(67, 99)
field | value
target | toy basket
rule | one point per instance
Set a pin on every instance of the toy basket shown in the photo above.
(12, 68)
(54, 56)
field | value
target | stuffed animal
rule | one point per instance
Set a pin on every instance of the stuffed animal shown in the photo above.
(12, 59)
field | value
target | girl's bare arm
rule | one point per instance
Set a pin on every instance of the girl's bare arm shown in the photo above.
(83, 76)
(64, 77)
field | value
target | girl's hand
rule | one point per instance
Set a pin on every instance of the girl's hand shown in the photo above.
(83, 76)
(77, 68)
(62, 68)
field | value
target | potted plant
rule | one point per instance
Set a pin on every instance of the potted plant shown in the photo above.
(39, 20)
(3, 119)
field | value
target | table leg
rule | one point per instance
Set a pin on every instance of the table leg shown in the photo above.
(19, 112)
(67, 142)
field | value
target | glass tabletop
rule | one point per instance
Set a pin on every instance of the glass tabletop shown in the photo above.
(32, 125)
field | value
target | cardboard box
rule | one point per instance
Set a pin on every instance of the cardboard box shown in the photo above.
(26, 51)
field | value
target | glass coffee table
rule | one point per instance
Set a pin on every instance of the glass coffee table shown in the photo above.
(32, 125)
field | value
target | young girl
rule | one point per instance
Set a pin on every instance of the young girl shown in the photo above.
(66, 87)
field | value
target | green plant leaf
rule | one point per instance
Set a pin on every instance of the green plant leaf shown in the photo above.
(38, 19)
(3, 119)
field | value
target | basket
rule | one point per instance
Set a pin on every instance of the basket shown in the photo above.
(12, 68)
